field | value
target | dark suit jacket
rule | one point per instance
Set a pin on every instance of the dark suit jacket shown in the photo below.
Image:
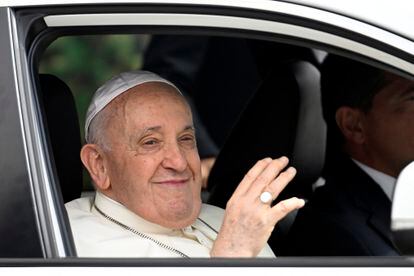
(348, 216)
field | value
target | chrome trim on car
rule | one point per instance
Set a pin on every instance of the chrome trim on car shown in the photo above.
(322, 12)
(231, 22)
(39, 176)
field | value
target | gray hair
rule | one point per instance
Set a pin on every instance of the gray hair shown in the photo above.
(97, 129)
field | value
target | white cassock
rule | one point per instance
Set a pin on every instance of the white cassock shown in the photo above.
(102, 227)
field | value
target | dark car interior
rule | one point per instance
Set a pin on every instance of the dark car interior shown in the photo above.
(64, 134)
(263, 130)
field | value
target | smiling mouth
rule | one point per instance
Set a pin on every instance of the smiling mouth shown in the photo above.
(173, 182)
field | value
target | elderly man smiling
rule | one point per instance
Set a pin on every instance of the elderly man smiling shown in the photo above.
(142, 156)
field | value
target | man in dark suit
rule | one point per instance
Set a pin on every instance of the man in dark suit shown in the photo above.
(369, 113)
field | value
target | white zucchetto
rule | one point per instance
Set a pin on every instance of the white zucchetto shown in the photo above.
(115, 87)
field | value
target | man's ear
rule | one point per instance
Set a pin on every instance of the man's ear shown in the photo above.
(349, 121)
(93, 159)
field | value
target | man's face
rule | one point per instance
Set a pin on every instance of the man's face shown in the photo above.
(389, 127)
(153, 163)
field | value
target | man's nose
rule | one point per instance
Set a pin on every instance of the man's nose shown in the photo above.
(174, 158)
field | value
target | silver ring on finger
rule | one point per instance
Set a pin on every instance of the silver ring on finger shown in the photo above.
(266, 197)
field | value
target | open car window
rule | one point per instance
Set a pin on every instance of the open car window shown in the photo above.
(266, 98)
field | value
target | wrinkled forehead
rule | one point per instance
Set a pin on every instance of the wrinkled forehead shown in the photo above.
(148, 102)
(148, 109)
(151, 93)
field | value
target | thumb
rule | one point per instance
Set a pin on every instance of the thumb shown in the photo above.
(280, 210)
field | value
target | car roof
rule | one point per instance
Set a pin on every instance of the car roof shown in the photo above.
(395, 15)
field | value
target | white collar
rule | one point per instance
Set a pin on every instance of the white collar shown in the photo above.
(119, 212)
(122, 214)
(385, 181)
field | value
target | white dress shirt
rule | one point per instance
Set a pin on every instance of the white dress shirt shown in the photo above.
(386, 182)
(97, 236)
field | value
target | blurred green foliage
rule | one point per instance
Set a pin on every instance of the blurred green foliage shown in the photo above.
(85, 62)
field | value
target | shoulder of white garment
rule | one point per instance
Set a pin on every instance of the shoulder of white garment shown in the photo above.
(88, 228)
(82, 207)
(79, 206)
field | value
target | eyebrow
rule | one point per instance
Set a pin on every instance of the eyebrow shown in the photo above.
(158, 128)
(189, 127)
(148, 129)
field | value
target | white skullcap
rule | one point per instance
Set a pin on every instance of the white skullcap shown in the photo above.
(115, 87)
